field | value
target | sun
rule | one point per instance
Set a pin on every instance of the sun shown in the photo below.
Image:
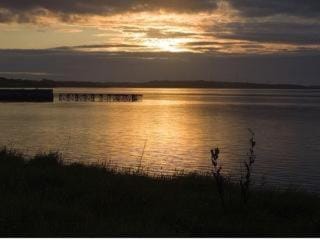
(165, 44)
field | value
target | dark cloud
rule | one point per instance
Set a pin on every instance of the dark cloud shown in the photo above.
(201, 43)
(271, 32)
(102, 66)
(212, 47)
(27, 10)
(158, 33)
(210, 43)
(103, 6)
(261, 8)
(97, 46)
(24, 10)
(246, 7)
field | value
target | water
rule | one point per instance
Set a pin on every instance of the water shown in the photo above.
(178, 128)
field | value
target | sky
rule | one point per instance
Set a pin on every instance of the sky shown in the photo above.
(263, 41)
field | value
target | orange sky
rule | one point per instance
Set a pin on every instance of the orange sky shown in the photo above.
(266, 41)
(222, 29)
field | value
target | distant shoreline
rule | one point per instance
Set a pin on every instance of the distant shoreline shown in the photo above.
(24, 83)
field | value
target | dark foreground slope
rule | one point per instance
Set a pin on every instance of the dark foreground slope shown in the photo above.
(43, 197)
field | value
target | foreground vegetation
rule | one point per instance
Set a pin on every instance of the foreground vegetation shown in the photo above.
(41, 196)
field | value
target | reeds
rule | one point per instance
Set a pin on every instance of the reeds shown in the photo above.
(141, 156)
(216, 171)
(245, 180)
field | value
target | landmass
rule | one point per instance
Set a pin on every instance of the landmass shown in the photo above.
(46, 83)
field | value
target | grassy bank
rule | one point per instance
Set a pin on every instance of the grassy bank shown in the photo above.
(43, 197)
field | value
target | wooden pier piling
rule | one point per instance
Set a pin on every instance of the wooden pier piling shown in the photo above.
(98, 97)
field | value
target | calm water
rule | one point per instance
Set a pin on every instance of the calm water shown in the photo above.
(179, 127)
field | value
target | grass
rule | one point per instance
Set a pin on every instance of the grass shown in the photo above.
(43, 197)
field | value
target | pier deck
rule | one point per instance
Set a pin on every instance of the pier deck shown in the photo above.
(26, 95)
(48, 95)
(98, 97)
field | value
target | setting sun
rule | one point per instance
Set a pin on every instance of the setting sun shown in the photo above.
(168, 45)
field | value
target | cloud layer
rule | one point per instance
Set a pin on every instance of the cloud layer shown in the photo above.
(260, 8)
(167, 36)
(15, 10)
(104, 66)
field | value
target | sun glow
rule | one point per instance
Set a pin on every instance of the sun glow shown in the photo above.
(147, 31)
(168, 45)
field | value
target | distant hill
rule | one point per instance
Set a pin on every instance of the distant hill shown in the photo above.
(45, 83)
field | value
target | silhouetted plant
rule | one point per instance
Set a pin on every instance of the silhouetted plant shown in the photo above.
(141, 157)
(216, 171)
(245, 180)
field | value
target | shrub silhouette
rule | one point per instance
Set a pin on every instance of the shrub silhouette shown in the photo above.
(216, 171)
(245, 180)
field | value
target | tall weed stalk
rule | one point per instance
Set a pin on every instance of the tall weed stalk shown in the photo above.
(245, 181)
(216, 171)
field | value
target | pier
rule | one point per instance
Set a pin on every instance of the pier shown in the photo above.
(48, 95)
(26, 95)
(98, 97)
